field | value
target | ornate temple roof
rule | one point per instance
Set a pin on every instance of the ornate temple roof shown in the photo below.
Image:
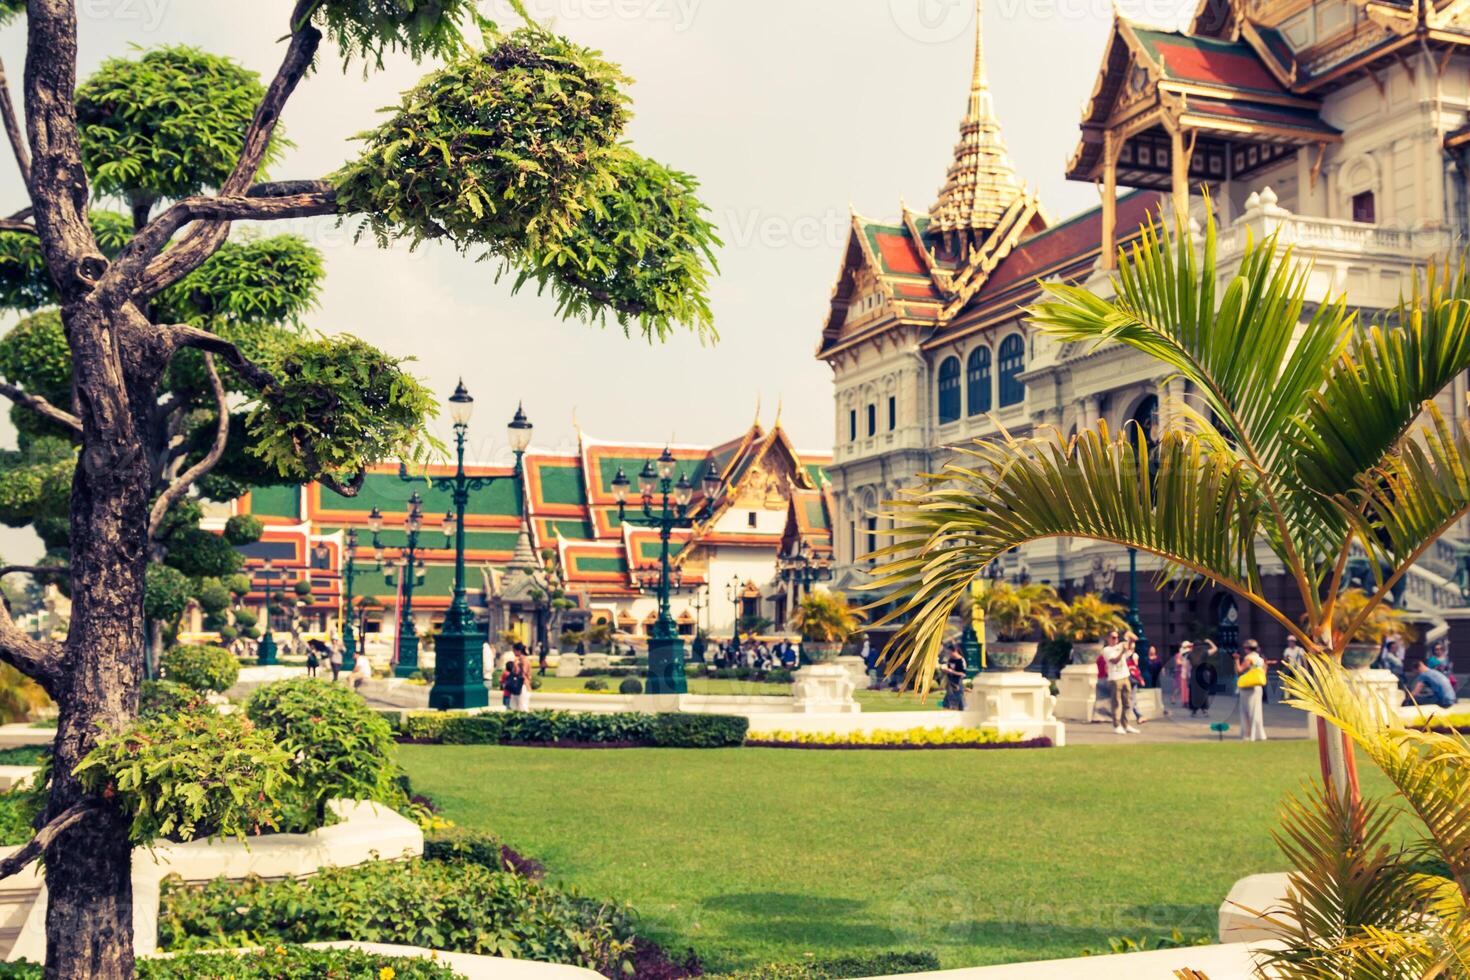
(981, 184)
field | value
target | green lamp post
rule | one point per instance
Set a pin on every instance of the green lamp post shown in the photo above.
(265, 651)
(803, 568)
(408, 572)
(349, 575)
(1132, 616)
(665, 648)
(459, 673)
(733, 592)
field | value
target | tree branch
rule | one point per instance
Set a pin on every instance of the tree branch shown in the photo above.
(203, 241)
(44, 838)
(39, 660)
(41, 407)
(12, 129)
(186, 479)
(184, 335)
(36, 570)
(305, 199)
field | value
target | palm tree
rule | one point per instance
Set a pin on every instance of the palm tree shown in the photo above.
(1313, 438)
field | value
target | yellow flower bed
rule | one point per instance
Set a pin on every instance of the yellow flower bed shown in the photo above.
(910, 736)
(1442, 719)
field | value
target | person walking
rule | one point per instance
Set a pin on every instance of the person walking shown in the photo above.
(1120, 684)
(362, 670)
(541, 656)
(953, 670)
(1250, 682)
(1202, 678)
(523, 669)
(1136, 679)
(334, 660)
(312, 660)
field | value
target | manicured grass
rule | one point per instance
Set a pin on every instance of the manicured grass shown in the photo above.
(759, 855)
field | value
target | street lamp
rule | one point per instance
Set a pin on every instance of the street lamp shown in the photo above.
(459, 673)
(803, 568)
(1135, 621)
(733, 592)
(349, 575)
(408, 570)
(266, 649)
(665, 648)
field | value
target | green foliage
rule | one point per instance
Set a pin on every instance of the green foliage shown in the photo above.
(273, 963)
(243, 529)
(204, 668)
(201, 554)
(825, 617)
(166, 592)
(239, 584)
(1017, 612)
(213, 597)
(866, 965)
(664, 730)
(20, 697)
(169, 699)
(341, 747)
(193, 775)
(468, 846)
(270, 281)
(513, 153)
(340, 404)
(630, 685)
(472, 729)
(1088, 619)
(35, 356)
(24, 282)
(11, 9)
(35, 482)
(18, 812)
(166, 125)
(452, 905)
(595, 684)
(681, 731)
(368, 29)
(1142, 944)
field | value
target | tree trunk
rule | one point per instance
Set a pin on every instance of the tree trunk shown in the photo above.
(89, 915)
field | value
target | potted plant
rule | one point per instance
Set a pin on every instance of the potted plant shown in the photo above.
(1086, 621)
(1365, 643)
(825, 621)
(1016, 614)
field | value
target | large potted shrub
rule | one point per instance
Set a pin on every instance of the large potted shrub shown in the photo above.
(1086, 621)
(1367, 639)
(825, 621)
(1016, 614)
(204, 668)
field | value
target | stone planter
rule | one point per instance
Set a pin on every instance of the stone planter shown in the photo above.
(823, 689)
(1086, 653)
(1359, 656)
(1010, 656)
(820, 653)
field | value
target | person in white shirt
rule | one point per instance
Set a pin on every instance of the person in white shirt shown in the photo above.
(1120, 681)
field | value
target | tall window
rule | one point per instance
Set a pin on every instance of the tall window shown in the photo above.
(892, 413)
(872, 528)
(1012, 361)
(949, 390)
(1363, 207)
(852, 426)
(977, 380)
(872, 420)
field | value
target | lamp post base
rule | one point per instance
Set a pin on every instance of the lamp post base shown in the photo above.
(970, 647)
(459, 672)
(666, 666)
(408, 656)
(265, 653)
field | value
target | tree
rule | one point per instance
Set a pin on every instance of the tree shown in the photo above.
(513, 152)
(1315, 437)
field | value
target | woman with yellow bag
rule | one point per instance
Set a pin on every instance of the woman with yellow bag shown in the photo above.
(1250, 681)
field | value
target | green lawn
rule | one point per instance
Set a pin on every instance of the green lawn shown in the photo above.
(870, 700)
(760, 855)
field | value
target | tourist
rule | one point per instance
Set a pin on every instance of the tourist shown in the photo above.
(1120, 682)
(1391, 658)
(1154, 667)
(334, 660)
(1175, 682)
(541, 654)
(312, 660)
(362, 670)
(506, 697)
(871, 660)
(1273, 676)
(953, 671)
(1293, 658)
(1429, 686)
(1135, 676)
(523, 671)
(1202, 678)
(1250, 682)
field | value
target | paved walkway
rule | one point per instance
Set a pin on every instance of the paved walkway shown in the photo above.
(1178, 726)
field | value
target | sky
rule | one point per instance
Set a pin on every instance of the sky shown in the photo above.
(790, 112)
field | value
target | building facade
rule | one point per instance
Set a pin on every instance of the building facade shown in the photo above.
(1338, 125)
(555, 530)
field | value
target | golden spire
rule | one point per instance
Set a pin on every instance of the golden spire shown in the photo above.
(982, 180)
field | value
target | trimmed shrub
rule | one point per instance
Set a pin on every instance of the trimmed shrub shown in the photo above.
(424, 726)
(170, 698)
(632, 685)
(839, 968)
(394, 718)
(204, 668)
(472, 729)
(451, 905)
(276, 963)
(342, 749)
(480, 848)
(681, 731)
(595, 684)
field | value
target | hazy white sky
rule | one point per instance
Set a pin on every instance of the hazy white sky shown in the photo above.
(787, 110)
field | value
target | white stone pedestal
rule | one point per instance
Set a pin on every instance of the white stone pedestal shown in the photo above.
(1378, 686)
(1077, 697)
(856, 669)
(569, 665)
(1015, 702)
(825, 689)
(596, 661)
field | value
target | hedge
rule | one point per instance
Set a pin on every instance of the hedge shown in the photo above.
(275, 963)
(204, 668)
(575, 728)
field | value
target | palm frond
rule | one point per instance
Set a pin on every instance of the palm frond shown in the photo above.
(1377, 388)
(1197, 509)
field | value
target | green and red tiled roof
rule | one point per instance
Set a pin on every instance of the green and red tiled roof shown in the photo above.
(1206, 61)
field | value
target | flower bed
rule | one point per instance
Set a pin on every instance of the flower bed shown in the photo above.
(908, 739)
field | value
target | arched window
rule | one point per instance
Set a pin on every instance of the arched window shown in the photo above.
(977, 380)
(872, 419)
(949, 390)
(1012, 361)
